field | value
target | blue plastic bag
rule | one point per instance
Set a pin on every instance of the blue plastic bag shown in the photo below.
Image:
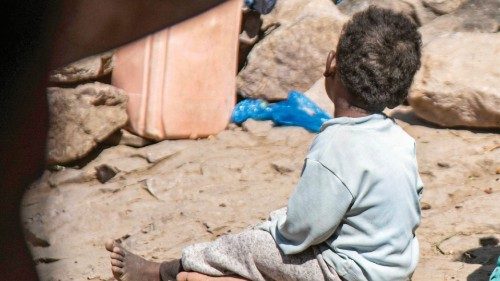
(297, 110)
(251, 108)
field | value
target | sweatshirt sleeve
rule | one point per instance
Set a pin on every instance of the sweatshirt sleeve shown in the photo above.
(314, 210)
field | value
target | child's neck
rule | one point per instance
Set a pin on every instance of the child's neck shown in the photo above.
(342, 99)
(344, 109)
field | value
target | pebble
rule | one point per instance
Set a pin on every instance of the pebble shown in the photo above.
(425, 206)
(104, 173)
(283, 166)
(257, 128)
(443, 164)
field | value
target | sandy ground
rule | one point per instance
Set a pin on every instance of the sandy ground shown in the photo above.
(176, 193)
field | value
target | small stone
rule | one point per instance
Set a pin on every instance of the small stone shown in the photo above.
(124, 137)
(488, 190)
(104, 173)
(129, 164)
(427, 173)
(148, 228)
(236, 139)
(69, 175)
(163, 150)
(443, 164)
(425, 206)
(45, 260)
(34, 240)
(283, 166)
(222, 205)
(232, 126)
(149, 186)
(497, 171)
(257, 128)
(208, 227)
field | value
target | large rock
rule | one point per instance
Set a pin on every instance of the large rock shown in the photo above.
(292, 57)
(284, 13)
(415, 9)
(251, 24)
(317, 93)
(459, 82)
(80, 118)
(443, 6)
(473, 16)
(124, 137)
(257, 128)
(91, 68)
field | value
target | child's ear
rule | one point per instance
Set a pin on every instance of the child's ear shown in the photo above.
(331, 65)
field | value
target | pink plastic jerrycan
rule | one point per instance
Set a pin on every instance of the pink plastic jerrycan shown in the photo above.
(181, 81)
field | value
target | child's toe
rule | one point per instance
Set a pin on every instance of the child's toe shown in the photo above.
(116, 256)
(117, 263)
(109, 245)
(118, 250)
(117, 271)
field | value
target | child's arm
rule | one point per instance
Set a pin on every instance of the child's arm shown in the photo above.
(315, 210)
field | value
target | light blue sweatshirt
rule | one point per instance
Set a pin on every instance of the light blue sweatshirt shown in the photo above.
(357, 199)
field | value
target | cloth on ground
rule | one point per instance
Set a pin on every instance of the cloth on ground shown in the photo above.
(253, 254)
(495, 275)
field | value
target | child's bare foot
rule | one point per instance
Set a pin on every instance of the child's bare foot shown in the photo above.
(129, 267)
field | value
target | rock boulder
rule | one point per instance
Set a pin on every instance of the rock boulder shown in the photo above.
(80, 118)
(284, 13)
(473, 16)
(317, 94)
(443, 6)
(84, 70)
(292, 56)
(459, 82)
(414, 9)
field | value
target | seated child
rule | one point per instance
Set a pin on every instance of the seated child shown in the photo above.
(355, 209)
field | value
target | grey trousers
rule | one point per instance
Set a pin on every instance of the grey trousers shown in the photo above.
(254, 255)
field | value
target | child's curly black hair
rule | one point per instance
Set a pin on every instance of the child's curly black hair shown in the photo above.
(377, 57)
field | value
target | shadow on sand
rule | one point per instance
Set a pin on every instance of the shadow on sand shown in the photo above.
(486, 256)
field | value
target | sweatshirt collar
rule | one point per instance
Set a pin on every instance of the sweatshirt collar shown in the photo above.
(353, 121)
